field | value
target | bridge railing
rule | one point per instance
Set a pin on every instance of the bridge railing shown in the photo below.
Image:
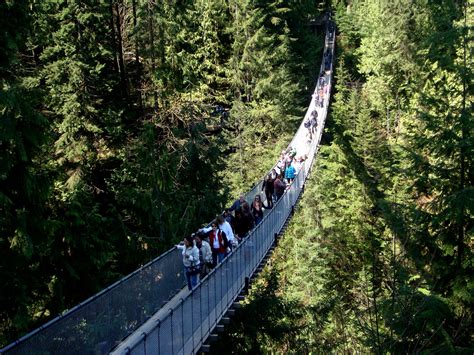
(184, 328)
(188, 324)
(97, 324)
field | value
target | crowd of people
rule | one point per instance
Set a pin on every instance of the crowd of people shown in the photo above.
(208, 247)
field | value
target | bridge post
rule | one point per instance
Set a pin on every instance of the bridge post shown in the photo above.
(172, 337)
(158, 334)
(247, 285)
(275, 239)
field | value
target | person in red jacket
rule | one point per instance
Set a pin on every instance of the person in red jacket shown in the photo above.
(218, 242)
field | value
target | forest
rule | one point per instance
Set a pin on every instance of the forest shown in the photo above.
(379, 255)
(127, 124)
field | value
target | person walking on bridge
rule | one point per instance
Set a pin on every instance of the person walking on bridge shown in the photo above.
(243, 222)
(280, 187)
(307, 125)
(290, 173)
(237, 203)
(314, 121)
(257, 209)
(267, 186)
(225, 226)
(191, 261)
(219, 243)
(322, 80)
(205, 254)
(228, 216)
(247, 213)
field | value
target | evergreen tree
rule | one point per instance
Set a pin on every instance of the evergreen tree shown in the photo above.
(265, 104)
(440, 144)
(24, 183)
(384, 226)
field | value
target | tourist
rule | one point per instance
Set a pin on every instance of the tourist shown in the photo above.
(279, 187)
(257, 209)
(228, 216)
(314, 121)
(237, 203)
(243, 223)
(267, 187)
(205, 254)
(290, 173)
(191, 261)
(297, 164)
(247, 213)
(225, 226)
(308, 125)
(218, 242)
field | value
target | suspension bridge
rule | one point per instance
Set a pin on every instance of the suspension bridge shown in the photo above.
(151, 311)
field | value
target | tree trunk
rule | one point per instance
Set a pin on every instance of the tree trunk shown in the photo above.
(152, 51)
(137, 56)
(119, 44)
(464, 138)
(112, 27)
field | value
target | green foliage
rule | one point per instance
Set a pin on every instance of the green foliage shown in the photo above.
(378, 256)
(263, 322)
(266, 69)
(111, 151)
(23, 179)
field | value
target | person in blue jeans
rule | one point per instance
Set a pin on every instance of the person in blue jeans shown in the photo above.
(218, 242)
(191, 261)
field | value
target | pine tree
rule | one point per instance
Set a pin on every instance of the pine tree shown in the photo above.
(24, 182)
(265, 89)
(440, 144)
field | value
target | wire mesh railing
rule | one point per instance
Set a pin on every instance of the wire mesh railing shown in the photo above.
(185, 327)
(98, 324)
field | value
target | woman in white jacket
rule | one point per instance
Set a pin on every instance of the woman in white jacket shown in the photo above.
(205, 255)
(191, 262)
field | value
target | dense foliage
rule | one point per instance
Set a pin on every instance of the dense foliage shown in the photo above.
(125, 124)
(379, 256)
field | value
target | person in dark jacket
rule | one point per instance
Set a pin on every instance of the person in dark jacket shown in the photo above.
(228, 217)
(243, 222)
(314, 121)
(268, 188)
(279, 186)
(237, 203)
(257, 209)
(327, 61)
(322, 80)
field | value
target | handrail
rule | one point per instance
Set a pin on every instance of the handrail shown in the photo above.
(72, 312)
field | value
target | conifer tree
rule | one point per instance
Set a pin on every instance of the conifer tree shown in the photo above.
(24, 182)
(265, 92)
(440, 143)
